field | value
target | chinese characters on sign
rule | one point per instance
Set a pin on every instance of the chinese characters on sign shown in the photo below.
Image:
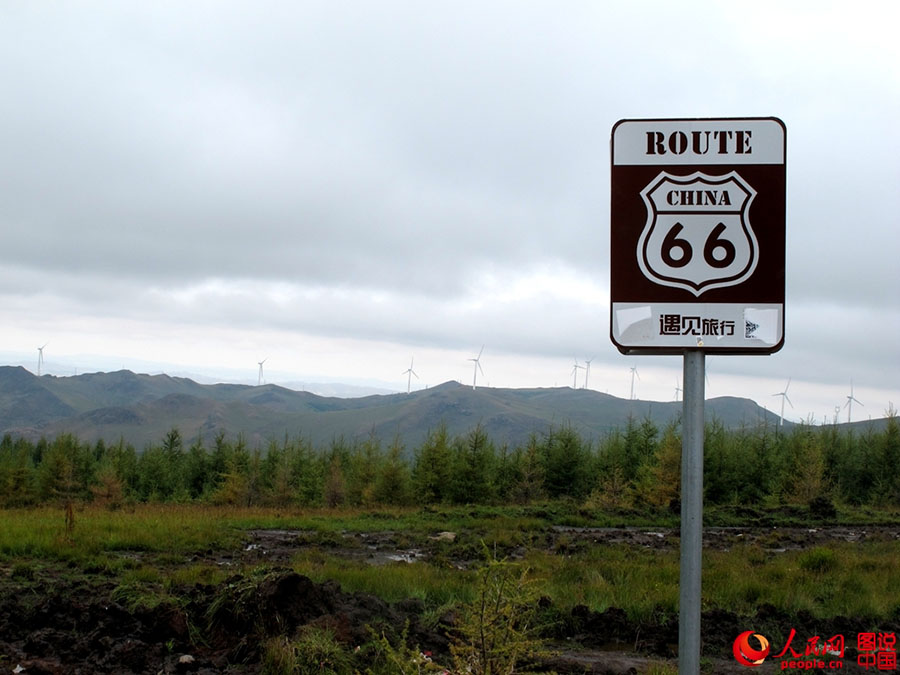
(676, 324)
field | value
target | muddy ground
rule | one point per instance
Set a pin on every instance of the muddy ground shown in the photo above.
(380, 548)
(55, 619)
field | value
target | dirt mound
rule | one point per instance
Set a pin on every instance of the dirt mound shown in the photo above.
(59, 625)
(247, 608)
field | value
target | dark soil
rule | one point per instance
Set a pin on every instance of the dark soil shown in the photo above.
(65, 620)
(60, 624)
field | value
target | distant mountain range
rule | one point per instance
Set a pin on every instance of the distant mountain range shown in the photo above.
(142, 408)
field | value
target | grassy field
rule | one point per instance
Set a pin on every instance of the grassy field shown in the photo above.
(152, 555)
(850, 578)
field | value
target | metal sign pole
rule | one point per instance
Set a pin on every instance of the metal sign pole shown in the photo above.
(696, 205)
(691, 513)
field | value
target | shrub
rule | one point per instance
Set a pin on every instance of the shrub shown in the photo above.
(497, 630)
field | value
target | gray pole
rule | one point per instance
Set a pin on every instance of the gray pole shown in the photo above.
(691, 513)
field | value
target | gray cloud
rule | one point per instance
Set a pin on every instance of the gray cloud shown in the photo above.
(384, 171)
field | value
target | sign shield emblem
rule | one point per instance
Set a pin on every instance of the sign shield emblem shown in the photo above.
(698, 236)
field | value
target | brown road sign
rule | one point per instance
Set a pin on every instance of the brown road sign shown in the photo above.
(698, 235)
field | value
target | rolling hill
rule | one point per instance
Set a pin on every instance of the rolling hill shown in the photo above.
(142, 408)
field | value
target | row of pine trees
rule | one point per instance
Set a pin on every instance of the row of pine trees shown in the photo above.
(636, 467)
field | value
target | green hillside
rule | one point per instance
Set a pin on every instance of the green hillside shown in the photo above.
(142, 408)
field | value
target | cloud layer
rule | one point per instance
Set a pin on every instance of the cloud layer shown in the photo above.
(424, 176)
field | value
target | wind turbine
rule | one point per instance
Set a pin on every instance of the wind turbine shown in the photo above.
(41, 357)
(633, 373)
(849, 404)
(678, 389)
(260, 381)
(784, 397)
(478, 367)
(409, 372)
(587, 370)
(575, 374)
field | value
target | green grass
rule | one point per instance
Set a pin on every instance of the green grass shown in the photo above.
(147, 550)
(152, 557)
(849, 579)
(144, 587)
(40, 533)
(857, 580)
(407, 519)
(436, 586)
(643, 583)
(183, 528)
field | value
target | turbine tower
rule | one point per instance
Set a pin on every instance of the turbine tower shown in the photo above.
(260, 380)
(41, 357)
(587, 371)
(478, 367)
(409, 372)
(784, 397)
(633, 373)
(849, 404)
(575, 373)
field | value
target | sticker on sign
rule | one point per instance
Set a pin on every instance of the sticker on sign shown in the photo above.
(698, 235)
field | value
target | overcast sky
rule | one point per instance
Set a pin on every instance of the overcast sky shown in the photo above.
(342, 187)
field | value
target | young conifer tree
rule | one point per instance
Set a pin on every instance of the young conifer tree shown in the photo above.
(431, 472)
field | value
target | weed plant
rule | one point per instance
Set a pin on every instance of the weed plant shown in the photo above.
(397, 657)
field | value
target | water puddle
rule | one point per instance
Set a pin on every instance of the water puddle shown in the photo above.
(372, 548)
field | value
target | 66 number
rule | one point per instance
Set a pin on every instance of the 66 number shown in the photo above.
(713, 243)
